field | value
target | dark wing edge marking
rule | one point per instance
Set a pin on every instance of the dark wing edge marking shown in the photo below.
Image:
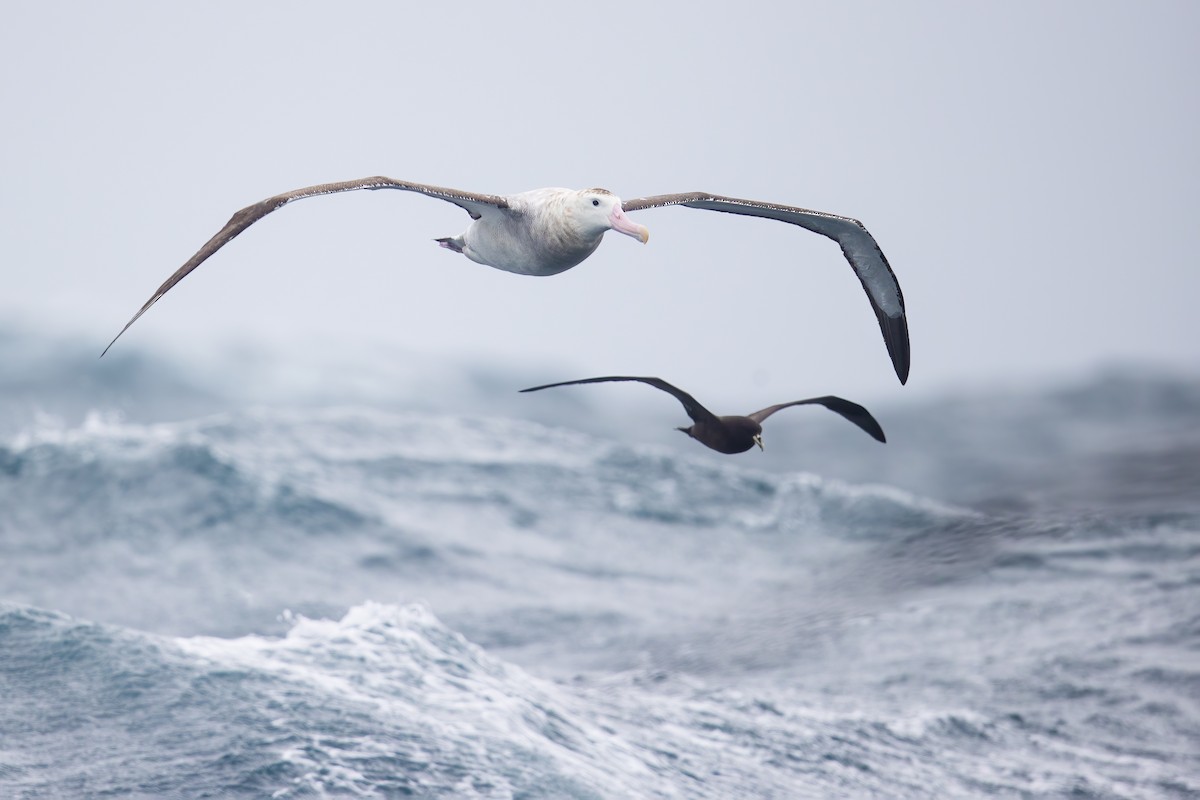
(468, 201)
(842, 230)
(895, 336)
(697, 412)
(851, 411)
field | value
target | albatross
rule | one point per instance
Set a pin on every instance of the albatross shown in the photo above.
(736, 434)
(548, 231)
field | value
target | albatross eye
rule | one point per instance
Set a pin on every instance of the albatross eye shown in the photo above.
(595, 202)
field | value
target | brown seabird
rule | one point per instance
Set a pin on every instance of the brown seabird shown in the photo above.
(736, 434)
(547, 231)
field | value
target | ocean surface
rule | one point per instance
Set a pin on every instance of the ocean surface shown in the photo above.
(205, 593)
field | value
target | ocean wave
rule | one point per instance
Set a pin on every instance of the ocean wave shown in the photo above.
(419, 708)
(384, 701)
(242, 513)
(613, 619)
(387, 700)
(325, 465)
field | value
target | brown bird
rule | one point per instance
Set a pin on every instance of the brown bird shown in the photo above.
(736, 434)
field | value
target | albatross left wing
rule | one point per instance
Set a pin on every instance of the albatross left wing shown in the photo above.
(859, 247)
(474, 204)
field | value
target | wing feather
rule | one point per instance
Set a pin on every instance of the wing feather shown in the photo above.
(851, 411)
(697, 412)
(473, 204)
(858, 245)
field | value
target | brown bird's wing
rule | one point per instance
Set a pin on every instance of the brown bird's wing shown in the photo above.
(851, 411)
(473, 204)
(859, 247)
(697, 412)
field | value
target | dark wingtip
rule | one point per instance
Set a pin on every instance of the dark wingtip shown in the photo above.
(869, 424)
(895, 336)
(848, 409)
(114, 341)
(127, 324)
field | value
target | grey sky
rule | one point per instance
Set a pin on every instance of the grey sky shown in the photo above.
(1029, 169)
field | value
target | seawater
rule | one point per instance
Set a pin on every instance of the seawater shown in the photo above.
(213, 599)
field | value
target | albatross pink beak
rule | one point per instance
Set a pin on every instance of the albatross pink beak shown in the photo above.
(622, 224)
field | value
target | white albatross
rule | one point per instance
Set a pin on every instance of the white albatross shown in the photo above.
(547, 231)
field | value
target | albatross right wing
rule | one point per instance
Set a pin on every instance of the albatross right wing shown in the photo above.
(474, 204)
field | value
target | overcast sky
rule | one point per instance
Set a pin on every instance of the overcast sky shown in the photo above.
(1030, 170)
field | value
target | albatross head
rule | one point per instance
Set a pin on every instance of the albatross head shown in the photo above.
(601, 209)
